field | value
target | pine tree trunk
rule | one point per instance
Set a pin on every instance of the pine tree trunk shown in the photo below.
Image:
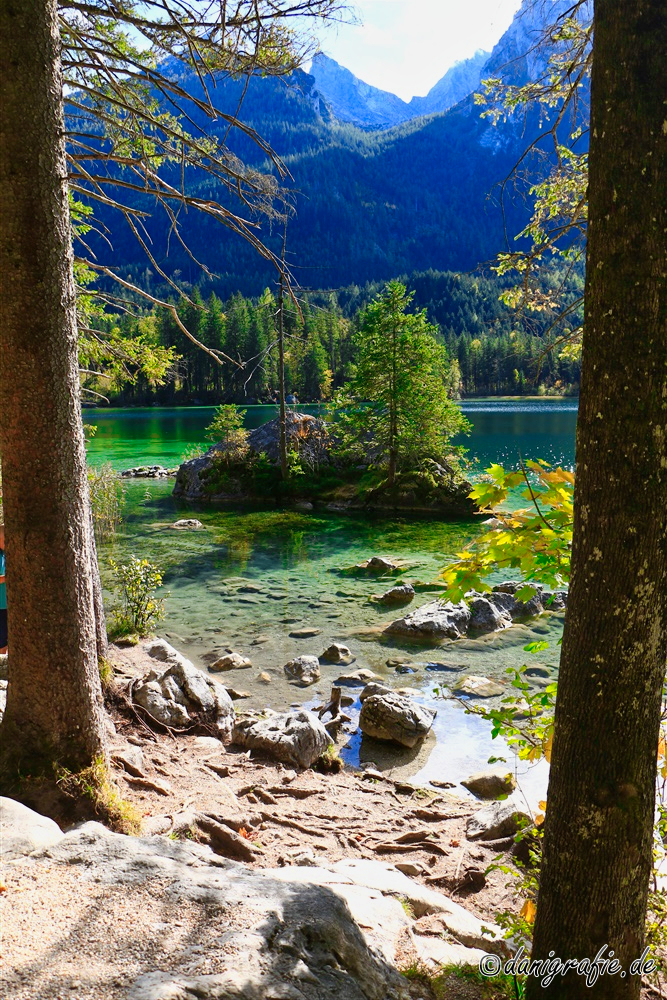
(54, 707)
(599, 821)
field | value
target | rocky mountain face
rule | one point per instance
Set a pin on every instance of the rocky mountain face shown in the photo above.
(460, 80)
(518, 57)
(352, 100)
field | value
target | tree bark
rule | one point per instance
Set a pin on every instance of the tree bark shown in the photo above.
(599, 821)
(54, 707)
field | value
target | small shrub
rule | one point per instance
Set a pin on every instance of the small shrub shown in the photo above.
(227, 429)
(137, 581)
(192, 451)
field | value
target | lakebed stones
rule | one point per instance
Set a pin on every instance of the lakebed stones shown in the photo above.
(491, 783)
(478, 687)
(432, 622)
(391, 716)
(402, 594)
(336, 653)
(497, 820)
(22, 830)
(305, 633)
(305, 670)
(180, 694)
(230, 661)
(187, 524)
(297, 738)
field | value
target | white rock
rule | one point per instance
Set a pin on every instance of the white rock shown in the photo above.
(22, 830)
(297, 738)
(181, 694)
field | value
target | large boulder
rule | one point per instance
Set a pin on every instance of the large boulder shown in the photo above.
(180, 694)
(392, 716)
(486, 616)
(297, 738)
(433, 621)
(23, 831)
(305, 670)
(287, 934)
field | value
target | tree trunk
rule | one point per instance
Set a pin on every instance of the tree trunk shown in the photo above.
(284, 469)
(54, 706)
(599, 821)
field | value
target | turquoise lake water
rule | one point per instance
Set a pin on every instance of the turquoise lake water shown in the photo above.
(264, 573)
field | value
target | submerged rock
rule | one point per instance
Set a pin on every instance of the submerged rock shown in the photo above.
(304, 669)
(297, 738)
(336, 653)
(402, 594)
(181, 695)
(305, 633)
(433, 621)
(190, 523)
(391, 716)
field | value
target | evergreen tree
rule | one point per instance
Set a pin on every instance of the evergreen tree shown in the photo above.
(401, 409)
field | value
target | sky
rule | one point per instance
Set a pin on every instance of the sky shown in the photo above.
(406, 46)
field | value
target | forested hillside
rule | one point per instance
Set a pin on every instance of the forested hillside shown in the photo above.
(497, 351)
(369, 205)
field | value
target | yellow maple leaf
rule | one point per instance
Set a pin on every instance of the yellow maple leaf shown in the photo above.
(528, 911)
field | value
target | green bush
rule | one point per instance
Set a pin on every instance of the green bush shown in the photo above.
(136, 581)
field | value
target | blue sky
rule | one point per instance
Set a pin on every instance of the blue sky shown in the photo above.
(406, 46)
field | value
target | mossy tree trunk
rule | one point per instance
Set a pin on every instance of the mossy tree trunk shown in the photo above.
(599, 820)
(54, 707)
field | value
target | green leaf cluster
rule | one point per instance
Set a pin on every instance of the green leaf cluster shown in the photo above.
(535, 540)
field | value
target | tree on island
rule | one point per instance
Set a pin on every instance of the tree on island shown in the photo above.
(396, 409)
(54, 711)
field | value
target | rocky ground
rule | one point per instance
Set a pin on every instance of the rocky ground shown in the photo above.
(253, 879)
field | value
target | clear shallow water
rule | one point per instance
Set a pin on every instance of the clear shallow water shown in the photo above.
(261, 574)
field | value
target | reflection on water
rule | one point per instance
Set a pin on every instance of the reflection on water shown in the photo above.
(503, 431)
(250, 578)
